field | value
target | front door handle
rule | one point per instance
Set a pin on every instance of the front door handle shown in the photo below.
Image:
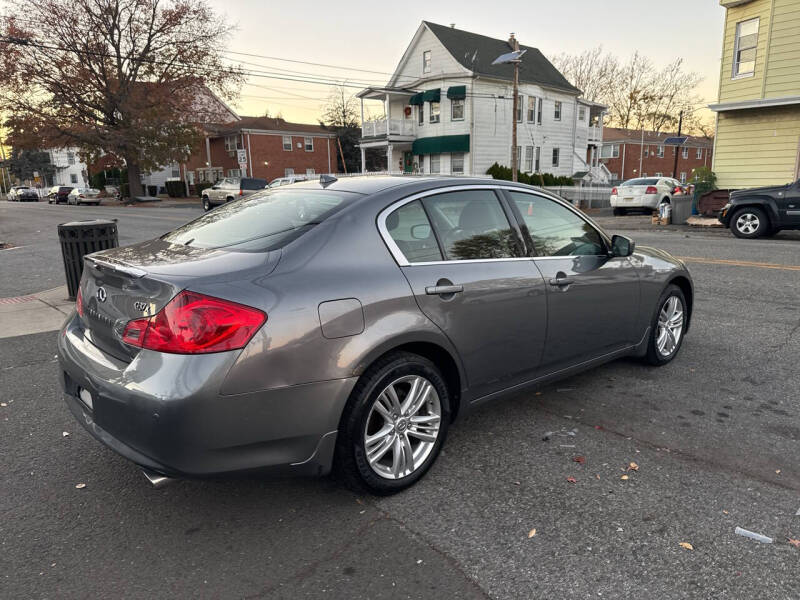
(443, 290)
(561, 281)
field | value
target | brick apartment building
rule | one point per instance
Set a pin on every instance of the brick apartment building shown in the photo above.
(273, 147)
(626, 156)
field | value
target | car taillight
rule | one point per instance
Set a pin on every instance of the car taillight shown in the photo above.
(241, 192)
(79, 302)
(193, 323)
(613, 191)
(81, 196)
(651, 189)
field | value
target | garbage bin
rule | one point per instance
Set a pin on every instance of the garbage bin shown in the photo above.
(681, 209)
(79, 238)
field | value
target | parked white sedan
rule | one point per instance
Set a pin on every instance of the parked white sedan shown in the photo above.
(84, 196)
(643, 193)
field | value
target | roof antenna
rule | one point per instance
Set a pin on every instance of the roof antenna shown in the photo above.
(326, 180)
(452, 25)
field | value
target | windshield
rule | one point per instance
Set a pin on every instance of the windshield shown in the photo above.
(642, 181)
(264, 221)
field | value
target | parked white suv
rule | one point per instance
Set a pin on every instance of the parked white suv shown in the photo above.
(288, 180)
(643, 193)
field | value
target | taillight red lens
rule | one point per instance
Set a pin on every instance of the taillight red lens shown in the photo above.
(79, 302)
(651, 189)
(241, 192)
(193, 323)
(613, 191)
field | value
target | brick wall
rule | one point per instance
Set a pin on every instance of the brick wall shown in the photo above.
(652, 163)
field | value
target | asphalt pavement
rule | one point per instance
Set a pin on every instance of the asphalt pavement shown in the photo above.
(713, 438)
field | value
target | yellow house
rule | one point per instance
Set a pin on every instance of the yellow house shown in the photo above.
(758, 113)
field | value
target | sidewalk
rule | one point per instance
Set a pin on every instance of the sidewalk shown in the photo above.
(43, 311)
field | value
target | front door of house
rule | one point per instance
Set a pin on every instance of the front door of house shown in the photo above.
(408, 162)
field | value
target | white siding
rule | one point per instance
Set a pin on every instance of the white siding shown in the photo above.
(442, 62)
(64, 171)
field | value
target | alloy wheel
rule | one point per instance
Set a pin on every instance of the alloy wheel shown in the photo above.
(748, 223)
(402, 427)
(670, 326)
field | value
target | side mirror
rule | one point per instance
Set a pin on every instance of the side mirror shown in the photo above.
(421, 231)
(622, 246)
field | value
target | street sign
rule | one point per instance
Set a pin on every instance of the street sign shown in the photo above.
(242, 166)
(675, 141)
(242, 154)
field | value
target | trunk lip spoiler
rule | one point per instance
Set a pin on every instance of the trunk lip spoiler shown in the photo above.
(121, 268)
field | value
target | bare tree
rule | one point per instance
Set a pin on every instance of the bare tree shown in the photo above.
(120, 77)
(341, 109)
(593, 71)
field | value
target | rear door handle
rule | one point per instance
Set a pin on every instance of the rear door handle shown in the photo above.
(443, 290)
(561, 281)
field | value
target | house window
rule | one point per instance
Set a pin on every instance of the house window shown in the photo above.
(646, 151)
(744, 50)
(660, 153)
(234, 173)
(609, 151)
(434, 112)
(539, 114)
(644, 174)
(190, 177)
(556, 153)
(683, 176)
(699, 153)
(457, 110)
(426, 61)
(288, 172)
(659, 174)
(581, 113)
(457, 163)
(309, 144)
(537, 165)
(685, 153)
(557, 111)
(519, 108)
(232, 142)
(436, 163)
(310, 172)
(73, 178)
(528, 159)
(287, 143)
(421, 114)
(71, 159)
(614, 176)
(531, 109)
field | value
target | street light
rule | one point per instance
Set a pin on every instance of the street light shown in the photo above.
(513, 58)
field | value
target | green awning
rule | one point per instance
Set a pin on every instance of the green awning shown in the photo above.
(440, 144)
(432, 95)
(457, 92)
(416, 99)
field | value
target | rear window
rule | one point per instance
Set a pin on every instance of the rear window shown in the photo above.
(642, 181)
(253, 184)
(263, 221)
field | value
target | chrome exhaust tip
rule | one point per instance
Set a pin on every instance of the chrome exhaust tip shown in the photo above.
(157, 479)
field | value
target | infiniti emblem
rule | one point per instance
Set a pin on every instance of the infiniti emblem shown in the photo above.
(101, 294)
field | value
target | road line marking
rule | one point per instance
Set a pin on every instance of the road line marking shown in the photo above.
(739, 263)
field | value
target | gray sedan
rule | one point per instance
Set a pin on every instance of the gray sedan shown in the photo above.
(347, 323)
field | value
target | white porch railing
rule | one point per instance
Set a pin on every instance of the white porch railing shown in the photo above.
(595, 134)
(378, 127)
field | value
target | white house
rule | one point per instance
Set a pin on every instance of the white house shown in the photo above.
(69, 168)
(447, 109)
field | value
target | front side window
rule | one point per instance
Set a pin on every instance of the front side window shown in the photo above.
(457, 163)
(412, 233)
(309, 144)
(435, 112)
(457, 110)
(471, 225)
(556, 156)
(426, 61)
(744, 50)
(287, 143)
(557, 111)
(436, 163)
(555, 230)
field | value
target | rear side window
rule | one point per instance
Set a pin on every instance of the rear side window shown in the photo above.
(642, 181)
(413, 234)
(555, 230)
(261, 221)
(471, 225)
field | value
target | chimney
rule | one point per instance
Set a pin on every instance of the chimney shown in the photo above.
(452, 25)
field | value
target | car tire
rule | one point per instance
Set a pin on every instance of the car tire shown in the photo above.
(619, 212)
(369, 412)
(206, 204)
(750, 222)
(669, 318)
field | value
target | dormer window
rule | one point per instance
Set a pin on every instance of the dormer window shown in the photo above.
(744, 49)
(426, 61)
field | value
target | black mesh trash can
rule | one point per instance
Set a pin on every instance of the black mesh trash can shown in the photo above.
(80, 238)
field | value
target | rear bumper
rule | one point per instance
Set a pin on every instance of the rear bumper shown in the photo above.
(164, 412)
(650, 201)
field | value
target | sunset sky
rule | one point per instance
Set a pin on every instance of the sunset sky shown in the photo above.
(364, 35)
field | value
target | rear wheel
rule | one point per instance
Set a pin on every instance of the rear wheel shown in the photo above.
(618, 212)
(667, 327)
(206, 204)
(393, 425)
(750, 222)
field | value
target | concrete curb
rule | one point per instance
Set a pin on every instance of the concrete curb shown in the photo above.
(34, 313)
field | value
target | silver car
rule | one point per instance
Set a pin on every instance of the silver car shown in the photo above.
(346, 324)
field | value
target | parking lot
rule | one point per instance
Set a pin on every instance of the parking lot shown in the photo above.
(614, 469)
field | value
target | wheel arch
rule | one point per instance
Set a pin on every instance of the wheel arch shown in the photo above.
(764, 203)
(688, 294)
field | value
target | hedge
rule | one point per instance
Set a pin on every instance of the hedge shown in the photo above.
(501, 172)
(176, 189)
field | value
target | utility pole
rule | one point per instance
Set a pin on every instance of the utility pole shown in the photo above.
(514, 157)
(675, 166)
(641, 152)
(4, 171)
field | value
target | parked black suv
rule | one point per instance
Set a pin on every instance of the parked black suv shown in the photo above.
(762, 211)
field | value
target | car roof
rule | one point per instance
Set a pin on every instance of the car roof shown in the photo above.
(372, 184)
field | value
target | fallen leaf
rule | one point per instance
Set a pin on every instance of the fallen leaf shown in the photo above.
(598, 427)
(795, 543)
(531, 533)
(80, 486)
(633, 467)
(686, 545)
(579, 459)
(597, 476)
(725, 512)
(778, 472)
(624, 477)
(64, 433)
(572, 480)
